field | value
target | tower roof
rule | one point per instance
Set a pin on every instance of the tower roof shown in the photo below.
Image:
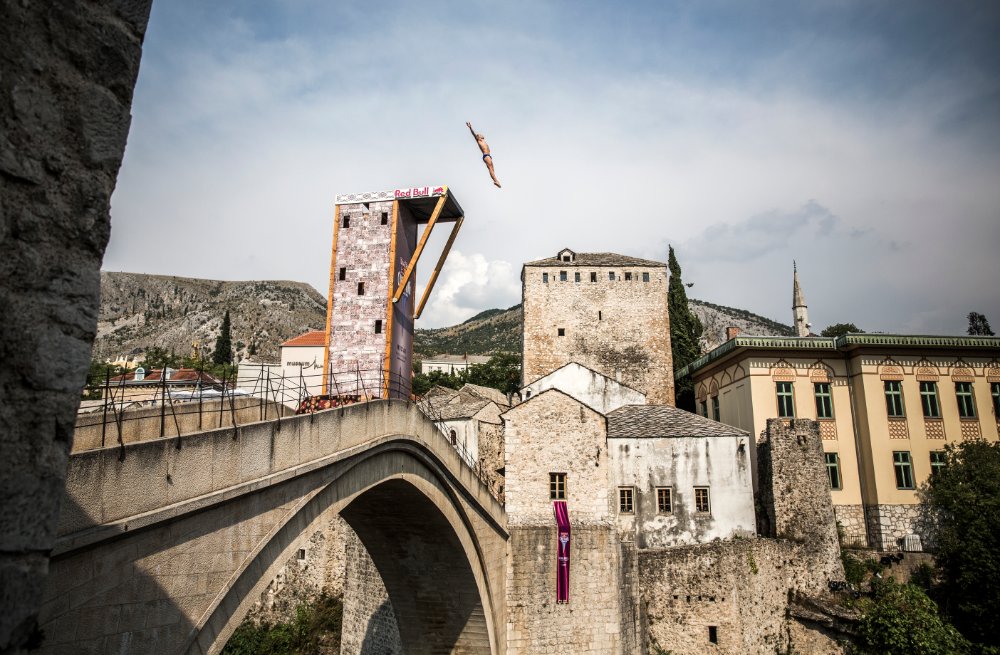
(798, 299)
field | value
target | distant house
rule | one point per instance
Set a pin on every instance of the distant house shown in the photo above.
(141, 385)
(451, 364)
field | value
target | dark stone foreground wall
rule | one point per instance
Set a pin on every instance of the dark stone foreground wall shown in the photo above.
(67, 71)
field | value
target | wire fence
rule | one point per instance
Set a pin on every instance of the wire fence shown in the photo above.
(189, 401)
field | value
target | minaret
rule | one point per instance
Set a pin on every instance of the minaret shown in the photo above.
(800, 313)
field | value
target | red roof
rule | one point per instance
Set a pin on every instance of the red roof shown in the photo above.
(310, 338)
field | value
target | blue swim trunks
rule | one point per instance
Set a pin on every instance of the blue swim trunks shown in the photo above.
(487, 155)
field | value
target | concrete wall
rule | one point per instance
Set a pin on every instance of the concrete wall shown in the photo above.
(187, 417)
(618, 328)
(722, 464)
(553, 433)
(591, 388)
(67, 71)
(174, 546)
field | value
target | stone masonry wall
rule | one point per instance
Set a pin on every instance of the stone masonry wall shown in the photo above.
(619, 328)
(851, 525)
(67, 72)
(369, 626)
(741, 587)
(592, 620)
(491, 456)
(795, 496)
(888, 524)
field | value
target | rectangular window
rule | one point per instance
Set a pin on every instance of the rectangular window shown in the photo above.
(628, 277)
(664, 500)
(713, 634)
(966, 401)
(645, 277)
(938, 461)
(824, 400)
(600, 315)
(894, 398)
(557, 486)
(361, 288)
(611, 276)
(593, 277)
(562, 276)
(625, 504)
(904, 469)
(343, 273)
(545, 278)
(702, 502)
(833, 470)
(715, 408)
(704, 408)
(378, 326)
(929, 400)
(561, 332)
(576, 277)
(385, 218)
(786, 402)
(346, 222)
(995, 390)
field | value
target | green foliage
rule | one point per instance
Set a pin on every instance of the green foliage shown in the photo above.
(422, 383)
(501, 372)
(224, 343)
(979, 326)
(488, 332)
(923, 576)
(752, 562)
(902, 620)
(97, 376)
(840, 329)
(159, 358)
(314, 625)
(854, 569)
(685, 332)
(965, 496)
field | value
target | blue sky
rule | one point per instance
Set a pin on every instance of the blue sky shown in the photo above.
(860, 138)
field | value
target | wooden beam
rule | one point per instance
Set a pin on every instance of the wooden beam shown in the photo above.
(420, 247)
(437, 267)
(387, 332)
(329, 299)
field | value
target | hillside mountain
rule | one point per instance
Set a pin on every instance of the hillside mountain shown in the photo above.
(143, 311)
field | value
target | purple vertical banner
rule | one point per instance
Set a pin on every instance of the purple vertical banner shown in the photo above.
(562, 558)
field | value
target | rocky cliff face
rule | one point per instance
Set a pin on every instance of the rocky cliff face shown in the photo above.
(143, 311)
(716, 318)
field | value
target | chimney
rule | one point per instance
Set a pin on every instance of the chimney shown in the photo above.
(732, 332)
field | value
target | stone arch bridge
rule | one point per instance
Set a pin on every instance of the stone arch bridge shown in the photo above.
(163, 546)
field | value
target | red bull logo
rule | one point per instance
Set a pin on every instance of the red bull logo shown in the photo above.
(418, 192)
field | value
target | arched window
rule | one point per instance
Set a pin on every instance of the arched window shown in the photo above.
(454, 438)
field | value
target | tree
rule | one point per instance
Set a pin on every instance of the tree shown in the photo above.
(422, 383)
(965, 497)
(840, 329)
(501, 372)
(979, 326)
(685, 332)
(224, 343)
(901, 620)
(159, 358)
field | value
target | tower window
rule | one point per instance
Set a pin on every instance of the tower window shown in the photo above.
(713, 634)
(593, 276)
(903, 466)
(454, 437)
(611, 276)
(385, 218)
(378, 326)
(562, 276)
(576, 277)
(361, 288)
(833, 470)
(894, 398)
(545, 278)
(557, 486)
(600, 315)
(824, 400)
(346, 222)
(786, 401)
(645, 277)
(561, 332)
(302, 553)
(966, 401)
(628, 277)
(664, 502)
(702, 503)
(343, 273)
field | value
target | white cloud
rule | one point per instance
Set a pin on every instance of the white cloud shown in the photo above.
(469, 284)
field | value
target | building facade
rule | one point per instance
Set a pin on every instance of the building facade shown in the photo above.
(451, 364)
(605, 311)
(886, 404)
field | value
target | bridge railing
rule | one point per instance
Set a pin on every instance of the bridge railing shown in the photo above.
(129, 410)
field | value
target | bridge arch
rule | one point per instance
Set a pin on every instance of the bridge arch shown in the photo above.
(147, 528)
(399, 501)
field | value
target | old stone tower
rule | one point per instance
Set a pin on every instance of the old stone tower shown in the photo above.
(605, 311)
(371, 306)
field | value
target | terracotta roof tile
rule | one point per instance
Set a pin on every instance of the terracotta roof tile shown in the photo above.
(310, 338)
